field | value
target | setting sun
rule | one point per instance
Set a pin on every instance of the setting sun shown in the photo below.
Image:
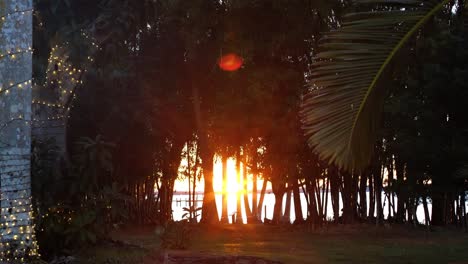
(232, 186)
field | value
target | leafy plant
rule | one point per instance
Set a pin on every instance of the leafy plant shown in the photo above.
(342, 111)
(191, 213)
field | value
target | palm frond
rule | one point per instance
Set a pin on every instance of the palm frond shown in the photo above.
(341, 113)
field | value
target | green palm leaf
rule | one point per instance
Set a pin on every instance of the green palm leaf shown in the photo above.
(341, 113)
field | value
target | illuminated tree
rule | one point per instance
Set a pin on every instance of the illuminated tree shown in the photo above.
(17, 239)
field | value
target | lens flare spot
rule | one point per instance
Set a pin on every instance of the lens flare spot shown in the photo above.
(230, 62)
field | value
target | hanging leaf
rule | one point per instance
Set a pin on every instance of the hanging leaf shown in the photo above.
(341, 113)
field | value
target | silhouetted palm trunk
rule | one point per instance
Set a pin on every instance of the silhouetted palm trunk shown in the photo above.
(438, 210)
(278, 190)
(224, 212)
(400, 208)
(426, 211)
(363, 195)
(327, 192)
(248, 211)
(334, 191)
(347, 196)
(255, 212)
(319, 199)
(239, 191)
(262, 197)
(312, 205)
(297, 203)
(371, 196)
(189, 172)
(287, 210)
(463, 211)
(209, 211)
(378, 193)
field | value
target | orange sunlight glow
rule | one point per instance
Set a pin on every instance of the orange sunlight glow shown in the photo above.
(232, 185)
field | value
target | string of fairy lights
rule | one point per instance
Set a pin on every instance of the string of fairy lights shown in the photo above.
(16, 224)
(17, 240)
(65, 78)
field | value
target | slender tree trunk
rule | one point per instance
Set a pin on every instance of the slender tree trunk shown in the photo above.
(363, 195)
(248, 211)
(254, 197)
(318, 198)
(262, 197)
(414, 204)
(347, 197)
(463, 205)
(209, 211)
(458, 212)
(287, 210)
(371, 196)
(327, 191)
(239, 192)
(277, 210)
(189, 172)
(355, 195)
(426, 211)
(322, 197)
(255, 212)
(193, 198)
(279, 190)
(313, 214)
(196, 175)
(409, 209)
(224, 212)
(297, 203)
(334, 190)
(438, 205)
(378, 193)
(400, 208)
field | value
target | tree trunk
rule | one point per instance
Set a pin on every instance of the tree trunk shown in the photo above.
(248, 211)
(209, 211)
(189, 174)
(279, 189)
(371, 196)
(347, 197)
(255, 213)
(334, 191)
(286, 218)
(278, 207)
(378, 193)
(224, 212)
(463, 211)
(262, 197)
(400, 208)
(325, 208)
(363, 195)
(426, 211)
(312, 205)
(297, 203)
(17, 239)
(438, 212)
(318, 198)
(239, 191)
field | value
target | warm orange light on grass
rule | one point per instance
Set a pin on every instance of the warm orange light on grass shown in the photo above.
(230, 62)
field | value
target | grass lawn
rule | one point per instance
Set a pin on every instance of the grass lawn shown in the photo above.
(338, 244)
